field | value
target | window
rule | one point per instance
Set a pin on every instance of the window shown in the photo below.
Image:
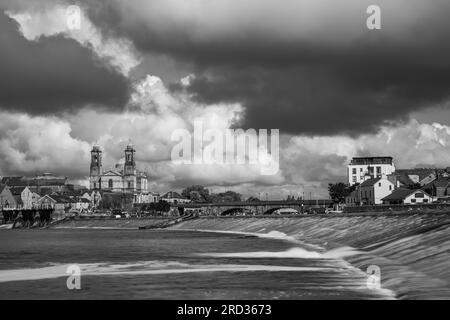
(390, 188)
(130, 185)
(95, 185)
(110, 183)
(354, 178)
(419, 195)
(379, 184)
(354, 170)
(378, 170)
(413, 200)
(425, 200)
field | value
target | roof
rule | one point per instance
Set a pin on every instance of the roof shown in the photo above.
(17, 191)
(403, 178)
(440, 183)
(2, 187)
(370, 182)
(401, 193)
(371, 160)
(173, 195)
(58, 198)
(422, 173)
(61, 199)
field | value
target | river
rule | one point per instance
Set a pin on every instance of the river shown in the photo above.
(174, 264)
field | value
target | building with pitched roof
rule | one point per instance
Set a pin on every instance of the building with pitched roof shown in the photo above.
(408, 196)
(7, 200)
(370, 192)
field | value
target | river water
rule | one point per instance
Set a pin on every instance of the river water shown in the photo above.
(174, 264)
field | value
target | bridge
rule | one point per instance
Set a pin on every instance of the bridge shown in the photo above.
(251, 207)
(27, 217)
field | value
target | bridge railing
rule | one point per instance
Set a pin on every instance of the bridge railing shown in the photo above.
(319, 202)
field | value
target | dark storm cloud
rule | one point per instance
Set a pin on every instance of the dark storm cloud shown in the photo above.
(301, 66)
(53, 74)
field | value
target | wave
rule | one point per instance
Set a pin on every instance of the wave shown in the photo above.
(277, 235)
(139, 268)
(293, 253)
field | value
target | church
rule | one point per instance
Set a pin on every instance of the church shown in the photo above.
(121, 179)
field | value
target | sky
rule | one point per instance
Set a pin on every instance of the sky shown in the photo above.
(138, 70)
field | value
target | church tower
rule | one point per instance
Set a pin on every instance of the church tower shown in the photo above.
(129, 169)
(96, 168)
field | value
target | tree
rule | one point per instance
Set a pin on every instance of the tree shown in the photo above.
(162, 206)
(252, 199)
(196, 193)
(338, 191)
(227, 196)
(195, 196)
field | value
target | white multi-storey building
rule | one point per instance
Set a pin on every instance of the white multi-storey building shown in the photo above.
(375, 167)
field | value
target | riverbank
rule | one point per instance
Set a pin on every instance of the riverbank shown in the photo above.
(412, 251)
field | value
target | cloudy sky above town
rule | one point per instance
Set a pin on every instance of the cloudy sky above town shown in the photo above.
(139, 69)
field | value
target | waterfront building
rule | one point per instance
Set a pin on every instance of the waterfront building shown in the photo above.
(151, 197)
(25, 198)
(373, 167)
(408, 196)
(373, 190)
(353, 199)
(370, 191)
(7, 200)
(439, 188)
(174, 197)
(123, 178)
(422, 176)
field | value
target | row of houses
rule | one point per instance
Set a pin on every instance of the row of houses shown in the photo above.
(81, 201)
(68, 200)
(374, 191)
(18, 198)
(376, 181)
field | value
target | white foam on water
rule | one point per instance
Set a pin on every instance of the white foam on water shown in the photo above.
(294, 253)
(6, 226)
(290, 253)
(139, 268)
(340, 253)
(277, 235)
